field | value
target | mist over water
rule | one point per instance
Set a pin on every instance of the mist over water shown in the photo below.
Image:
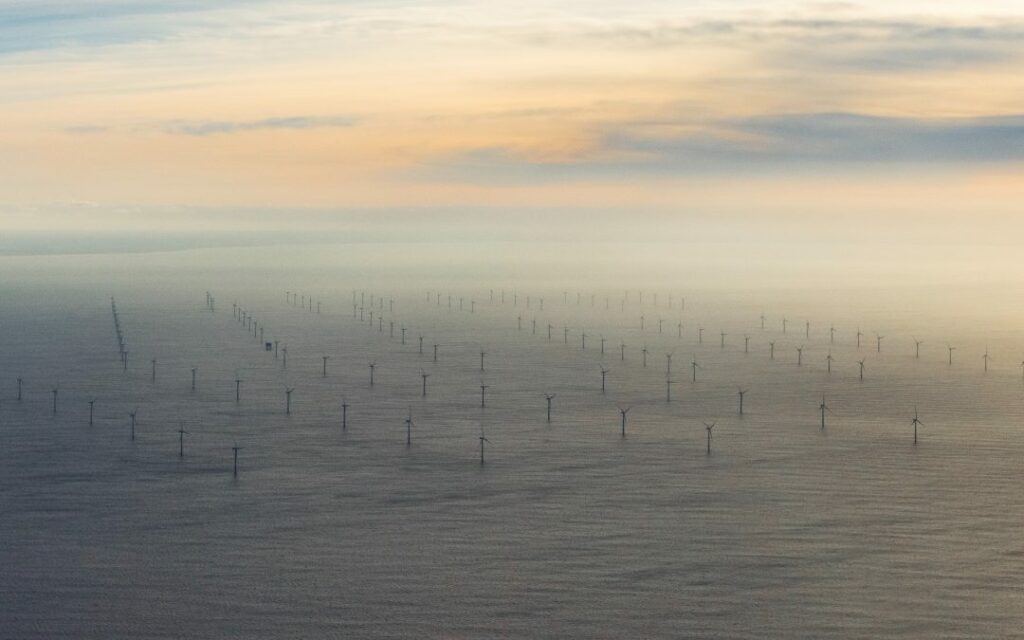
(568, 529)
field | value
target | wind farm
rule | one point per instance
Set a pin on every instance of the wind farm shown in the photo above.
(542, 407)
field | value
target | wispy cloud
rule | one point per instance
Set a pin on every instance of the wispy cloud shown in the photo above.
(803, 142)
(212, 127)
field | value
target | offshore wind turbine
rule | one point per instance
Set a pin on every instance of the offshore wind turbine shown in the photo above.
(288, 400)
(722, 344)
(408, 429)
(917, 348)
(483, 439)
(483, 397)
(708, 427)
(986, 358)
(91, 403)
(800, 356)
(424, 375)
(859, 336)
(828, 362)
(668, 389)
(742, 392)
(916, 422)
(861, 363)
(695, 366)
(181, 440)
(549, 397)
(235, 449)
(373, 365)
(951, 350)
(624, 412)
(344, 413)
(878, 339)
(746, 343)
(823, 408)
(771, 350)
(604, 374)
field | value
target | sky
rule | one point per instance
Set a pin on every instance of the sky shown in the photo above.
(185, 114)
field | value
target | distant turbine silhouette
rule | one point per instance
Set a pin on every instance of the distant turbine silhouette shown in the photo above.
(742, 392)
(916, 422)
(235, 449)
(483, 439)
(986, 358)
(483, 391)
(624, 412)
(771, 350)
(604, 374)
(288, 400)
(424, 375)
(823, 408)
(828, 361)
(373, 365)
(549, 397)
(181, 440)
(695, 367)
(708, 427)
(917, 348)
(878, 338)
(951, 350)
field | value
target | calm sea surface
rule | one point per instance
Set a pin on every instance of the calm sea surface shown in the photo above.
(568, 530)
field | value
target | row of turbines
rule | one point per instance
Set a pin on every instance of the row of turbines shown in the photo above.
(249, 323)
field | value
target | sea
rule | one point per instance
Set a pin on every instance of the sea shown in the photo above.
(361, 510)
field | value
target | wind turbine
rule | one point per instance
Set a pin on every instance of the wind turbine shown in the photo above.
(181, 440)
(708, 428)
(859, 336)
(746, 344)
(373, 365)
(861, 363)
(483, 439)
(483, 391)
(951, 350)
(823, 408)
(878, 339)
(800, 356)
(235, 450)
(604, 374)
(742, 392)
(916, 422)
(549, 397)
(344, 414)
(408, 429)
(288, 400)
(424, 375)
(917, 348)
(131, 415)
(722, 344)
(986, 358)
(828, 361)
(668, 389)
(624, 412)
(771, 350)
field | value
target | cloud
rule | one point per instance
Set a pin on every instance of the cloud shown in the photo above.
(784, 142)
(212, 127)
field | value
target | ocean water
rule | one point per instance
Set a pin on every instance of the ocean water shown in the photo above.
(568, 530)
